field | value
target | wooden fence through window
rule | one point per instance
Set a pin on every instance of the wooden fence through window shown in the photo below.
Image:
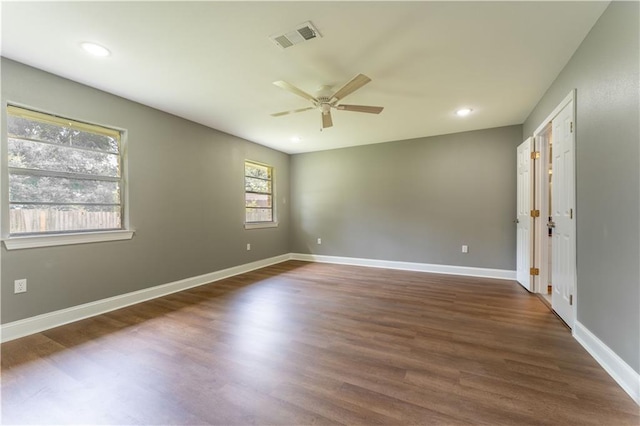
(35, 220)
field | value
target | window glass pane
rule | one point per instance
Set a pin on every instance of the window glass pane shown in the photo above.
(34, 155)
(257, 185)
(27, 219)
(19, 127)
(257, 200)
(256, 170)
(259, 215)
(30, 188)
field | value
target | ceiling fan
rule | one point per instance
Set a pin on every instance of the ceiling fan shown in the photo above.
(325, 100)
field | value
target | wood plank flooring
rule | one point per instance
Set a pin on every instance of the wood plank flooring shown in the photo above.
(301, 343)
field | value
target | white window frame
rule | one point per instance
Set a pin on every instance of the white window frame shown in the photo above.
(24, 241)
(258, 225)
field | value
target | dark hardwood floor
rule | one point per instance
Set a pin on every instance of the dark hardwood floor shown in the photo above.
(300, 343)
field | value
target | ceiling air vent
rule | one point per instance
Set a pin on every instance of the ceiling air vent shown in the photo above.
(302, 32)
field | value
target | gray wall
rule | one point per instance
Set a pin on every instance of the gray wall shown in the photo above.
(186, 203)
(418, 200)
(605, 72)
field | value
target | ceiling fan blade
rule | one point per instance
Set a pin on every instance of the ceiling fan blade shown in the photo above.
(293, 89)
(361, 108)
(356, 82)
(279, 114)
(326, 120)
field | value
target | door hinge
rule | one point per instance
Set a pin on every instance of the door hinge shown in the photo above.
(535, 213)
(534, 271)
(570, 213)
(535, 155)
(571, 127)
(571, 300)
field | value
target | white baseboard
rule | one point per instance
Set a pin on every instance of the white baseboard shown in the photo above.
(627, 377)
(409, 266)
(25, 327)
(621, 372)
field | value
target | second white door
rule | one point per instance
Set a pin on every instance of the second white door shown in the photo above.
(563, 269)
(524, 220)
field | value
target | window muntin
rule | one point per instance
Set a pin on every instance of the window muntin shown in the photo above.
(64, 175)
(258, 193)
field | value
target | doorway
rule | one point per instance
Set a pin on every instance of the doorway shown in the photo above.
(552, 232)
(544, 145)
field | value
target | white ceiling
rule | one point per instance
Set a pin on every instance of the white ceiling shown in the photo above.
(213, 63)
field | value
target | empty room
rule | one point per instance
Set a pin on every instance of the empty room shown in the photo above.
(296, 213)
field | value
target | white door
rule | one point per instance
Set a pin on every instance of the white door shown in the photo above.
(524, 220)
(563, 268)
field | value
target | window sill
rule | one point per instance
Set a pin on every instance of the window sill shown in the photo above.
(258, 225)
(33, 241)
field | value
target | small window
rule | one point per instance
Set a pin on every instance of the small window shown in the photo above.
(258, 193)
(64, 175)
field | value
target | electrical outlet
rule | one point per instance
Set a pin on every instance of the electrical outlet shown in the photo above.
(465, 249)
(248, 246)
(20, 286)
(319, 240)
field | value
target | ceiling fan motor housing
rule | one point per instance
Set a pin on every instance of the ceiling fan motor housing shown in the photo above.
(324, 103)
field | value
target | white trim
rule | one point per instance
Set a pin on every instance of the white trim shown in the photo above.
(409, 266)
(33, 241)
(259, 225)
(570, 97)
(627, 377)
(25, 327)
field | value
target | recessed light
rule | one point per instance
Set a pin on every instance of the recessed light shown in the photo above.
(296, 139)
(95, 49)
(463, 112)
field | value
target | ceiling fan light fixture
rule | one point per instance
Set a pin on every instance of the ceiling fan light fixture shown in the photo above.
(463, 112)
(95, 49)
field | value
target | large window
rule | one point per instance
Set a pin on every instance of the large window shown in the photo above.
(258, 193)
(64, 175)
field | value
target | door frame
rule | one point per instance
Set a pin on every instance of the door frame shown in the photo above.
(540, 199)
